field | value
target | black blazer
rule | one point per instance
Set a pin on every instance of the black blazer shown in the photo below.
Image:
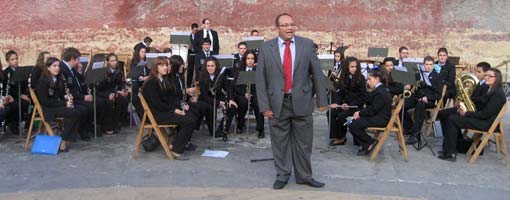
(199, 36)
(139, 46)
(51, 96)
(223, 89)
(179, 91)
(478, 96)
(237, 60)
(113, 83)
(160, 100)
(491, 107)
(433, 91)
(13, 86)
(73, 82)
(351, 96)
(378, 104)
(200, 61)
(448, 73)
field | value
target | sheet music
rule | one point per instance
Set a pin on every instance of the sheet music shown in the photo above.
(224, 56)
(155, 55)
(326, 56)
(180, 33)
(84, 59)
(97, 65)
(253, 38)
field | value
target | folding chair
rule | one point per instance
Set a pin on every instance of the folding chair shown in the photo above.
(496, 129)
(395, 120)
(37, 114)
(429, 123)
(149, 123)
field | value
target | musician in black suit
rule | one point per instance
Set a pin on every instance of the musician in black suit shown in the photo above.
(191, 54)
(112, 90)
(159, 93)
(403, 53)
(214, 80)
(481, 119)
(377, 113)
(428, 92)
(200, 57)
(139, 61)
(448, 73)
(212, 35)
(395, 88)
(5, 101)
(254, 32)
(348, 98)
(146, 43)
(15, 88)
(241, 47)
(241, 95)
(51, 92)
(476, 96)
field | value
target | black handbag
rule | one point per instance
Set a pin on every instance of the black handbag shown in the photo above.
(150, 143)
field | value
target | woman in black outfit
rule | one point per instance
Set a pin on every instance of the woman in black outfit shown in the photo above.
(164, 104)
(113, 91)
(377, 113)
(349, 97)
(139, 61)
(55, 103)
(491, 104)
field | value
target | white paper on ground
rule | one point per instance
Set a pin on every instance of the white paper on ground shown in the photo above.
(216, 154)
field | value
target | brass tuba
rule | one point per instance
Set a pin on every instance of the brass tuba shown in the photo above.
(465, 84)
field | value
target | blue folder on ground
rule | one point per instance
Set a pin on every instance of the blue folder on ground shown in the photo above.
(45, 144)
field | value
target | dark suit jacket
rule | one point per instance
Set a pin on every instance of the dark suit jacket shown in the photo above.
(352, 96)
(199, 59)
(179, 92)
(161, 101)
(222, 91)
(73, 82)
(378, 104)
(448, 73)
(479, 97)
(491, 107)
(433, 91)
(113, 83)
(199, 36)
(139, 46)
(13, 86)
(51, 96)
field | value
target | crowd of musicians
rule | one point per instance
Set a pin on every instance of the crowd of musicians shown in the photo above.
(187, 96)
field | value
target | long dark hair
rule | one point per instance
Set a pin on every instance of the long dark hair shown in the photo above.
(161, 60)
(39, 63)
(498, 83)
(357, 78)
(46, 73)
(136, 56)
(243, 60)
(205, 75)
(176, 62)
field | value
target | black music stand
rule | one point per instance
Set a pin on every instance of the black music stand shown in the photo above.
(180, 38)
(247, 78)
(21, 74)
(254, 42)
(454, 60)
(95, 76)
(225, 60)
(377, 52)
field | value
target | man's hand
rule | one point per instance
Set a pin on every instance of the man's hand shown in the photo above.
(88, 98)
(355, 115)
(232, 103)
(9, 99)
(323, 108)
(407, 86)
(344, 106)
(25, 97)
(268, 114)
(333, 106)
(424, 99)
(247, 95)
(111, 97)
(179, 112)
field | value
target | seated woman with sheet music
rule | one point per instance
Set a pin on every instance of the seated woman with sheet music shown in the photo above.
(429, 87)
(139, 61)
(481, 119)
(242, 95)
(159, 93)
(56, 101)
(348, 98)
(113, 91)
(214, 87)
(377, 113)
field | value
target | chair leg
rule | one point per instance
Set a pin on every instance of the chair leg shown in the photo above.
(48, 128)
(29, 134)
(472, 148)
(402, 142)
(480, 148)
(139, 137)
(503, 143)
(497, 141)
(379, 145)
(162, 140)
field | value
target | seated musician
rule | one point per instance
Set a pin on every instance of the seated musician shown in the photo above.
(139, 61)
(213, 85)
(12, 118)
(490, 104)
(39, 66)
(448, 73)
(394, 87)
(242, 95)
(164, 104)
(425, 96)
(348, 98)
(476, 96)
(113, 91)
(377, 113)
(57, 102)
(200, 57)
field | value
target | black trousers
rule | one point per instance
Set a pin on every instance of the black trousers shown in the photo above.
(420, 113)
(242, 103)
(113, 112)
(358, 127)
(337, 130)
(443, 116)
(71, 121)
(185, 124)
(454, 124)
(136, 99)
(190, 70)
(204, 110)
(12, 117)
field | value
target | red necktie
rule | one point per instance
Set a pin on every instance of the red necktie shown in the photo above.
(287, 67)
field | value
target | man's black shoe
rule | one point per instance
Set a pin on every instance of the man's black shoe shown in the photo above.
(312, 183)
(448, 157)
(278, 185)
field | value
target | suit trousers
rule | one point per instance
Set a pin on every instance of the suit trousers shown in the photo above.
(291, 142)
(454, 124)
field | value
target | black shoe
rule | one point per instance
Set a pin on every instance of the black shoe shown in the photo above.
(312, 183)
(63, 150)
(261, 134)
(413, 138)
(179, 156)
(239, 131)
(372, 147)
(448, 157)
(333, 143)
(278, 185)
(190, 147)
(362, 152)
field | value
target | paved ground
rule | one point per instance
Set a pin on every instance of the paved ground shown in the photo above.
(104, 169)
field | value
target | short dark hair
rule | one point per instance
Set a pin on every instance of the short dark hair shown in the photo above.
(402, 49)
(147, 39)
(377, 74)
(194, 25)
(253, 31)
(205, 19)
(484, 65)
(387, 59)
(205, 40)
(428, 58)
(442, 49)
(167, 50)
(242, 43)
(70, 53)
(277, 20)
(9, 54)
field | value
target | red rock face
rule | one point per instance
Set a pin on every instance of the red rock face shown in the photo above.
(422, 25)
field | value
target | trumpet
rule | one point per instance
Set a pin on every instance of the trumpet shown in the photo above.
(334, 76)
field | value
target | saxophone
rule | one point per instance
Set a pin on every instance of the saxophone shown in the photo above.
(465, 84)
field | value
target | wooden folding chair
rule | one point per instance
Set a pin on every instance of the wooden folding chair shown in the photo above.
(149, 122)
(496, 129)
(429, 123)
(37, 114)
(395, 120)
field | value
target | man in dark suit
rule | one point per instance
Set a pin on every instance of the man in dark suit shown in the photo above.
(395, 88)
(403, 52)
(428, 92)
(448, 73)
(212, 35)
(191, 54)
(200, 57)
(241, 47)
(146, 43)
(288, 73)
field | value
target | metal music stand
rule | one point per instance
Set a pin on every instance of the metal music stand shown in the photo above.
(95, 76)
(21, 74)
(226, 60)
(180, 38)
(247, 78)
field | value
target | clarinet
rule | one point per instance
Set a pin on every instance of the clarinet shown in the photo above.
(225, 117)
(184, 97)
(68, 96)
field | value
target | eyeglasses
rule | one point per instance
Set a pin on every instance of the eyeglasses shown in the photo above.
(287, 25)
(490, 76)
